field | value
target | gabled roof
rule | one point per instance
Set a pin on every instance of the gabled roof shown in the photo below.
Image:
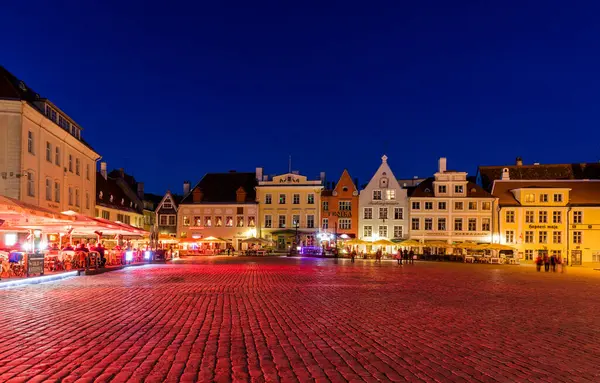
(223, 187)
(425, 189)
(108, 187)
(14, 89)
(582, 192)
(487, 174)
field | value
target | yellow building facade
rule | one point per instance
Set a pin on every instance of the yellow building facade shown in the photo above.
(289, 208)
(560, 218)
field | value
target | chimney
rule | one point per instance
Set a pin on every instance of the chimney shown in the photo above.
(240, 195)
(442, 165)
(322, 177)
(505, 174)
(356, 182)
(186, 187)
(265, 178)
(259, 174)
(122, 172)
(519, 161)
(103, 170)
(140, 190)
(197, 195)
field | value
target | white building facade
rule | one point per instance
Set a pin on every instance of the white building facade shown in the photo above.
(383, 207)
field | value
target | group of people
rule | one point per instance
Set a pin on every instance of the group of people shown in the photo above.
(82, 250)
(406, 256)
(549, 262)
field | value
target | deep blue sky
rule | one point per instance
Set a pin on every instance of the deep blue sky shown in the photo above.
(171, 90)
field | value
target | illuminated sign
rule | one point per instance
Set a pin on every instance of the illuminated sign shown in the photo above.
(341, 214)
(543, 226)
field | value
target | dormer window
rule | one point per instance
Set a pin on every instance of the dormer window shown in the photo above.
(459, 189)
(122, 201)
(100, 195)
(111, 198)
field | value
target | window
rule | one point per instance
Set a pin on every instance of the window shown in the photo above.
(30, 142)
(428, 224)
(345, 205)
(556, 217)
(383, 213)
(442, 189)
(391, 194)
(398, 213)
(228, 221)
(441, 205)
(529, 237)
(239, 221)
(577, 237)
(510, 216)
(57, 156)
(383, 231)
(530, 197)
(296, 199)
(48, 151)
(77, 197)
(472, 205)
(485, 224)
(543, 197)
(441, 224)
(186, 220)
(368, 231)
(558, 198)
(596, 256)
(282, 199)
(197, 220)
(162, 219)
(251, 221)
(529, 255)
(87, 172)
(311, 199)
(127, 220)
(30, 184)
(325, 206)
(268, 199)
(509, 236)
(543, 237)
(416, 206)
(172, 220)
(415, 224)
(282, 221)
(529, 216)
(577, 217)
(459, 189)
(295, 220)
(325, 223)
(240, 210)
(77, 165)
(368, 213)
(377, 195)
(167, 204)
(106, 214)
(268, 221)
(486, 205)
(218, 221)
(557, 237)
(398, 232)
(428, 205)
(543, 217)
(472, 224)
(56, 192)
(48, 189)
(345, 224)
(71, 163)
(458, 224)
(458, 205)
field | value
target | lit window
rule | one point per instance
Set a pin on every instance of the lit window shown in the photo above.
(208, 221)
(391, 194)
(282, 221)
(345, 205)
(30, 142)
(398, 232)
(529, 236)
(30, 184)
(383, 231)
(558, 197)
(345, 224)
(311, 199)
(268, 221)
(368, 213)
(186, 220)
(530, 198)
(543, 237)
(485, 224)
(472, 224)
(368, 231)
(486, 206)
(325, 223)
(472, 205)
(458, 224)
(509, 236)
(282, 199)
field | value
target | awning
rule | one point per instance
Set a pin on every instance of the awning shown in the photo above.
(90, 225)
(16, 214)
(292, 231)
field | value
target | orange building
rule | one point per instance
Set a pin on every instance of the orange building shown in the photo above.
(339, 209)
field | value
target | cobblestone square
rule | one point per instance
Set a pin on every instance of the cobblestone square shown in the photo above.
(291, 319)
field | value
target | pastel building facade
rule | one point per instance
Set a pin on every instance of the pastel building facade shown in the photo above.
(339, 209)
(383, 207)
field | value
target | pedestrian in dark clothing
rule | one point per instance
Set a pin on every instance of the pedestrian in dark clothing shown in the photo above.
(538, 263)
(405, 256)
(553, 262)
(411, 257)
(353, 255)
(546, 263)
(399, 257)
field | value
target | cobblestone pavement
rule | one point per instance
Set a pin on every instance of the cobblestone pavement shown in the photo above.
(284, 319)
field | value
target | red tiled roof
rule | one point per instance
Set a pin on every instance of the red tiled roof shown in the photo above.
(425, 189)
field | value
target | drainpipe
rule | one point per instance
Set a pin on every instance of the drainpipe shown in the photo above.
(568, 238)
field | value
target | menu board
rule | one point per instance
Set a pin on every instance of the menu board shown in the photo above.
(35, 264)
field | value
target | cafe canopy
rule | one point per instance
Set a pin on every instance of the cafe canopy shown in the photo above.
(18, 215)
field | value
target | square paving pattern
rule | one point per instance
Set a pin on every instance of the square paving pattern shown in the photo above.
(290, 319)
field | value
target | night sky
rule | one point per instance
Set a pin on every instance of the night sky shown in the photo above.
(172, 90)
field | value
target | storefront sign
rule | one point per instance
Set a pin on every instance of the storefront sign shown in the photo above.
(35, 263)
(340, 214)
(385, 203)
(293, 180)
(543, 226)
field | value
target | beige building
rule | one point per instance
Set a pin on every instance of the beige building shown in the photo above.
(43, 159)
(290, 209)
(449, 208)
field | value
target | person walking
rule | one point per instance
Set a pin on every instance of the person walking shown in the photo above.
(553, 262)
(399, 257)
(353, 255)
(538, 263)
(563, 264)
(411, 257)
(546, 263)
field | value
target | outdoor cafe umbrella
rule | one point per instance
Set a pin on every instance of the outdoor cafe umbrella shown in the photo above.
(494, 246)
(439, 244)
(465, 245)
(213, 240)
(356, 241)
(255, 240)
(384, 242)
(409, 243)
